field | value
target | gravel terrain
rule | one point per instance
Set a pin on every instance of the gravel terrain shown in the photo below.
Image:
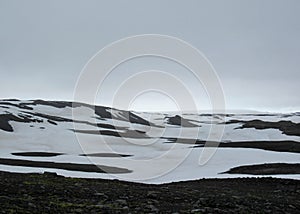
(50, 193)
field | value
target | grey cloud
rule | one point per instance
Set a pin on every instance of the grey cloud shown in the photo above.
(254, 45)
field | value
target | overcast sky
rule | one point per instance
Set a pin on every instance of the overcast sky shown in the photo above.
(254, 45)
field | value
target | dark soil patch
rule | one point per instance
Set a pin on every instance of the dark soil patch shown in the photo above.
(127, 134)
(266, 169)
(20, 105)
(52, 122)
(56, 104)
(106, 155)
(65, 166)
(6, 118)
(277, 146)
(287, 127)
(37, 154)
(180, 121)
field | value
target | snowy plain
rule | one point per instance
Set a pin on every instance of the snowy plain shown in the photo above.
(145, 139)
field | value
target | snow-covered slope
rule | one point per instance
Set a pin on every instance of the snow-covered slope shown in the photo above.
(69, 138)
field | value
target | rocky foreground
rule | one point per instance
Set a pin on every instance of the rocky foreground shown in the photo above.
(49, 193)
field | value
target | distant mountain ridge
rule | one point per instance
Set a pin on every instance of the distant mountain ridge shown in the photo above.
(48, 135)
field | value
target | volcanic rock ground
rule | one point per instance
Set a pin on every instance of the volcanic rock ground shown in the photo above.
(49, 193)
